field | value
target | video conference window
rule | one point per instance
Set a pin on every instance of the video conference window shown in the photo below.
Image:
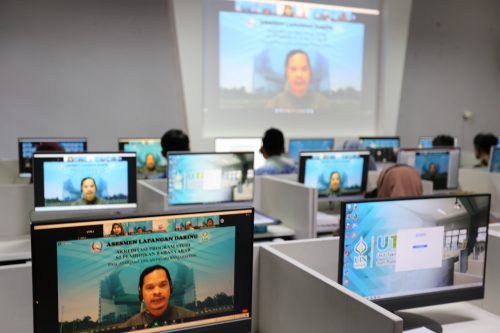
(150, 161)
(425, 142)
(335, 173)
(200, 178)
(28, 146)
(437, 165)
(382, 149)
(495, 160)
(295, 146)
(274, 60)
(428, 250)
(94, 276)
(84, 181)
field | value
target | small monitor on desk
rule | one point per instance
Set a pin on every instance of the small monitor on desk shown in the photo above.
(295, 146)
(230, 145)
(425, 141)
(28, 146)
(84, 181)
(189, 272)
(150, 161)
(383, 149)
(439, 165)
(494, 159)
(413, 252)
(208, 178)
(335, 173)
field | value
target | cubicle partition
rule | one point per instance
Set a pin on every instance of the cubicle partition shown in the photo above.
(151, 195)
(482, 181)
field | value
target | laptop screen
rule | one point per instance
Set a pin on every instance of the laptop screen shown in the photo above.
(84, 181)
(150, 161)
(203, 178)
(186, 272)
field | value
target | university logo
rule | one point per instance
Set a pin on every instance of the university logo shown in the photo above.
(204, 236)
(360, 260)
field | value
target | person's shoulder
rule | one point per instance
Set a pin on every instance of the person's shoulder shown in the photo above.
(279, 101)
(180, 312)
(136, 320)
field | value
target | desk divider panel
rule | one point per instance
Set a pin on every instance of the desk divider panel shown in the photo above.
(16, 203)
(9, 171)
(293, 297)
(491, 301)
(150, 198)
(482, 181)
(291, 202)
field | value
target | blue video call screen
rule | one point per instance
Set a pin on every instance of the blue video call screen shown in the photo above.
(398, 248)
(495, 160)
(84, 181)
(433, 166)
(150, 161)
(200, 178)
(297, 145)
(373, 143)
(95, 268)
(335, 173)
(425, 142)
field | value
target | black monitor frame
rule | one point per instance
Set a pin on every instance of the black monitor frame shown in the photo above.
(44, 266)
(383, 154)
(424, 299)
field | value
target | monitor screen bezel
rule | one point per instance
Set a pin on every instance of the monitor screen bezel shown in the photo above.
(38, 187)
(171, 153)
(305, 155)
(436, 149)
(24, 172)
(412, 301)
(238, 325)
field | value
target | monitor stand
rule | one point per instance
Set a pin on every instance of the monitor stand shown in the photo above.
(413, 321)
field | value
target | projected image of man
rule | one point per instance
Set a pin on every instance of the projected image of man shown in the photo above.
(88, 190)
(298, 93)
(155, 287)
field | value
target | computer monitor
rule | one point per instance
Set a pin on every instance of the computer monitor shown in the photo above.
(494, 159)
(206, 178)
(230, 145)
(84, 181)
(498, 144)
(439, 165)
(405, 253)
(425, 141)
(383, 149)
(335, 173)
(110, 274)
(295, 146)
(28, 146)
(150, 161)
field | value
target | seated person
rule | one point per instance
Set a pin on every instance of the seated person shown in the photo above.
(443, 140)
(355, 144)
(89, 196)
(335, 182)
(273, 146)
(435, 175)
(174, 140)
(155, 287)
(117, 230)
(482, 148)
(398, 181)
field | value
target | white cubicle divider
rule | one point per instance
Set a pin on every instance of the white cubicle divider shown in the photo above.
(16, 203)
(481, 181)
(8, 171)
(491, 301)
(298, 292)
(151, 195)
(289, 201)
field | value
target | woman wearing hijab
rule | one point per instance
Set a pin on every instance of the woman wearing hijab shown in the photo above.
(399, 181)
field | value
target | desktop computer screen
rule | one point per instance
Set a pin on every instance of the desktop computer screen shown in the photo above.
(439, 165)
(495, 159)
(230, 145)
(203, 178)
(383, 149)
(335, 173)
(295, 146)
(425, 141)
(28, 146)
(498, 144)
(404, 253)
(189, 272)
(150, 161)
(84, 181)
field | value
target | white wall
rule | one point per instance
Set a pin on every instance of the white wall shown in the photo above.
(97, 68)
(452, 65)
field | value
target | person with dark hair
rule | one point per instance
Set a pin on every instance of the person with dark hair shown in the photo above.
(88, 190)
(117, 230)
(335, 183)
(297, 93)
(174, 140)
(482, 147)
(443, 140)
(155, 287)
(273, 146)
